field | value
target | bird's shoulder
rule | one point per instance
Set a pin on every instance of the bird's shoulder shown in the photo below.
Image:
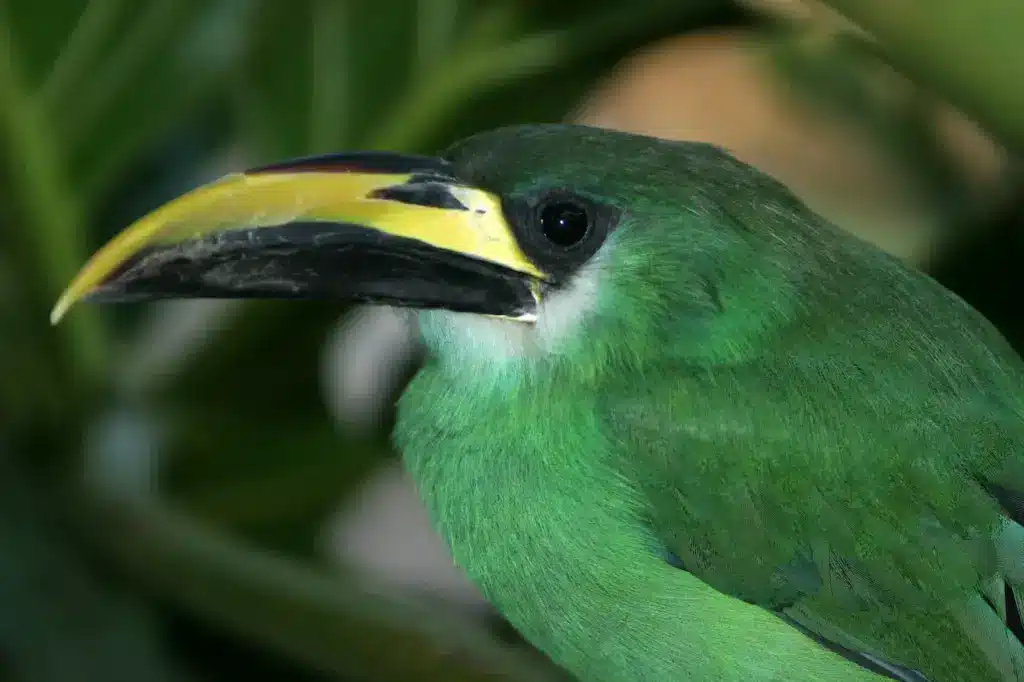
(877, 412)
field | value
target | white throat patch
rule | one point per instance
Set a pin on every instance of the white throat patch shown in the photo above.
(488, 340)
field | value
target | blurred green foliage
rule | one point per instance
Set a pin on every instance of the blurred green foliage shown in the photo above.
(109, 107)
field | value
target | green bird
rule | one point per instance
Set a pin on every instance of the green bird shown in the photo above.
(672, 423)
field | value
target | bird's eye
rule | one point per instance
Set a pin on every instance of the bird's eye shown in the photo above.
(559, 229)
(564, 223)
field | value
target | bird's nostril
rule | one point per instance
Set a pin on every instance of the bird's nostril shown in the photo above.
(431, 194)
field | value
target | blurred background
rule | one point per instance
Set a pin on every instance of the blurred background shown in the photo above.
(205, 490)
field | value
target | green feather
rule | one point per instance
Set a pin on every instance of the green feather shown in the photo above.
(813, 428)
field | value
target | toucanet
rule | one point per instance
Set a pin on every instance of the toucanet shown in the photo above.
(673, 424)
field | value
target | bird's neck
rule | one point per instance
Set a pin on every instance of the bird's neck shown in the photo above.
(517, 480)
(515, 484)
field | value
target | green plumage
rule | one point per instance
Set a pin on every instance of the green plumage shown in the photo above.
(806, 423)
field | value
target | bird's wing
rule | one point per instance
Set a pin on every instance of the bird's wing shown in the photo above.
(805, 512)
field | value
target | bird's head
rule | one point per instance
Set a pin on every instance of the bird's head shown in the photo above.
(520, 242)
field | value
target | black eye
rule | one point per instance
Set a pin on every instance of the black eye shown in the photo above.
(559, 229)
(564, 223)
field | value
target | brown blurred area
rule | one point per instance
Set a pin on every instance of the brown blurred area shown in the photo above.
(723, 87)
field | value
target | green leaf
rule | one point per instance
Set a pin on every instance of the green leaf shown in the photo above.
(173, 63)
(971, 53)
(303, 55)
(273, 86)
(50, 241)
(43, 29)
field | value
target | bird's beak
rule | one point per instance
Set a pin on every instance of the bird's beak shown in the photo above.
(373, 227)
